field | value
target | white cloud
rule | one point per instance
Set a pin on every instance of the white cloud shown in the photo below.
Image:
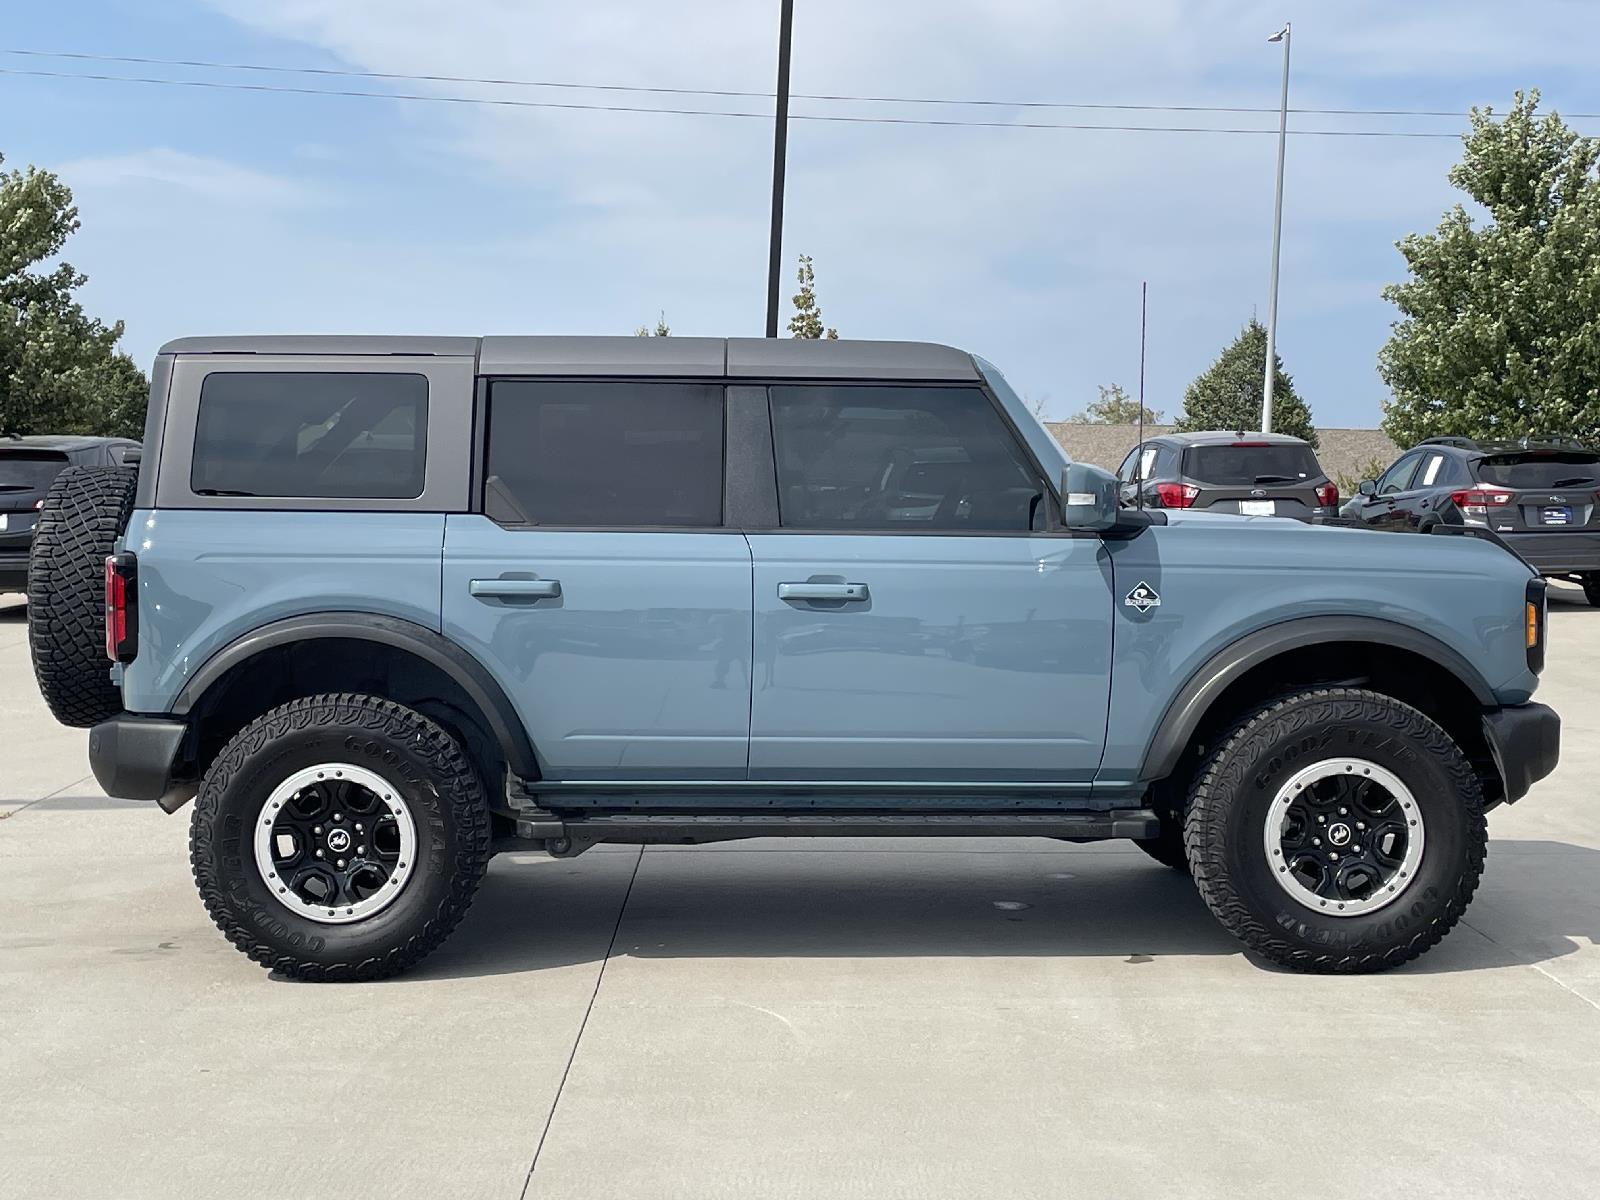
(177, 174)
(1025, 245)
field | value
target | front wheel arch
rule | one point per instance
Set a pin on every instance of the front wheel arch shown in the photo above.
(1369, 652)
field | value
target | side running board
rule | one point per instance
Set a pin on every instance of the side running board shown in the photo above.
(566, 835)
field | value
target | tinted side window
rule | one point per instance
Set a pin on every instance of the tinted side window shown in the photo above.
(604, 455)
(1125, 471)
(1398, 477)
(1432, 468)
(899, 458)
(311, 433)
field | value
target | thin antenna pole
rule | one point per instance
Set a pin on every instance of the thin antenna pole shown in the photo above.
(1277, 240)
(1144, 310)
(780, 155)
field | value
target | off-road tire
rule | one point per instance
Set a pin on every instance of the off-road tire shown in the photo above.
(434, 777)
(1223, 830)
(85, 511)
(1591, 587)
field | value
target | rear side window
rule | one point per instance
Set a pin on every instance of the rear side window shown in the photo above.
(28, 471)
(604, 455)
(1541, 471)
(1244, 465)
(339, 434)
(925, 459)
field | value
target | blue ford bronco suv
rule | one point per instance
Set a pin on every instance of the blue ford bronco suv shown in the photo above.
(384, 606)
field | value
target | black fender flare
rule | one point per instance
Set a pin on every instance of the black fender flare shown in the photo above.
(505, 726)
(1201, 690)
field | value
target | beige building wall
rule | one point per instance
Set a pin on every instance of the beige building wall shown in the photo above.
(1342, 452)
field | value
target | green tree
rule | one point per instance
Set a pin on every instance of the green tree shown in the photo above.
(60, 371)
(807, 319)
(661, 329)
(1115, 407)
(1227, 395)
(1499, 329)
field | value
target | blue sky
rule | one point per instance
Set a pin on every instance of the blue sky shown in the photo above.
(211, 211)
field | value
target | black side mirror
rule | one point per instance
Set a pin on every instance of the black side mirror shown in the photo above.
(1367, 487)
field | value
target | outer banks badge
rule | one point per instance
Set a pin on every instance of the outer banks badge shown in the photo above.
(1143, 597)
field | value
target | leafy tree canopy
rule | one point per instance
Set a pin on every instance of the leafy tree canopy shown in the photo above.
(1499, 329)
(1115, 407)
(807, 319)
(60, 371)
(1227, 395)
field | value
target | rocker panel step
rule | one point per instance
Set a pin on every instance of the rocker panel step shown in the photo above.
(691, 828)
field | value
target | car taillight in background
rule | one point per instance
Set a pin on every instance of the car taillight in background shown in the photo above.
(122, 609)
(1176, 495)
(1477, 501)
(1328, 495)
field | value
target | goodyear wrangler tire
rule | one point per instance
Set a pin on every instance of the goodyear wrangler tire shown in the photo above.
(85, 511)
(339, 837)
(1337, 830)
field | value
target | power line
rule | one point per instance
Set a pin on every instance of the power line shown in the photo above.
(731, 93)
(501, 102)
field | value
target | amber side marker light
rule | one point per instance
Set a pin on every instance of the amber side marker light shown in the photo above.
(1533, 624)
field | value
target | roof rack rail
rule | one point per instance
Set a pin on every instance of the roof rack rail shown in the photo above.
(1461, 443)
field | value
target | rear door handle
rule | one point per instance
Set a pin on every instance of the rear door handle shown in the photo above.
(822, 591)
(515, 589)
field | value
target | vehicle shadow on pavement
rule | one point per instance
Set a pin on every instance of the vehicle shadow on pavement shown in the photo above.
(1538, 902)
(13, 610)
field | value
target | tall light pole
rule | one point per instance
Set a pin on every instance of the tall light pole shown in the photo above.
(1277, 237)
(780, 154)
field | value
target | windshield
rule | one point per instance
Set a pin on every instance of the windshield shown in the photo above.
(1049, 452)
(1541, 470)
(1246, 464)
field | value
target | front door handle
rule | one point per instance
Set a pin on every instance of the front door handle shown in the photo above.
(822, 591)
(515, 589)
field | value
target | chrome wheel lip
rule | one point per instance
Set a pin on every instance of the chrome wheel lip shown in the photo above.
(388, 795)
(1395, 883)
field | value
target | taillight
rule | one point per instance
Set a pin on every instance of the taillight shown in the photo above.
(122, 608)
(1328, 495)
(1176, 495)
(1477, 501)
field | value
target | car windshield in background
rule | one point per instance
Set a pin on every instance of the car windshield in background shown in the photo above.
(1248, 463)
(29, 470)
(1541, 470)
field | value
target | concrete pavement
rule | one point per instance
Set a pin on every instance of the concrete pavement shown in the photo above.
(790, 1019)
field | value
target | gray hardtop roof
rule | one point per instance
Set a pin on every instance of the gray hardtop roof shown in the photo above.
(64, 442)
(1224, 437)
(751, 358)
(322, 343)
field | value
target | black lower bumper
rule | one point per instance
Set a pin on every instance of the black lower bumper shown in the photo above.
(1526, 742)
(13, 570)
(1557, 553)
(138, 758)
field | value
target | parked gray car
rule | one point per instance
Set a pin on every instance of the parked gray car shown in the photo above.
(384, 606)
(1247, 474)
(28, 466)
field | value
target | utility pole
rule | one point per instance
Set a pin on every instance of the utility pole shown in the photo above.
(1277, 237)
(780, 155)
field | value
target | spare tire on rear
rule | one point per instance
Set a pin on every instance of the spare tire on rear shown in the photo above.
(84, 512)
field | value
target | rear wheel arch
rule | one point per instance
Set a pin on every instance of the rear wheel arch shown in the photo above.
(317, 653)
(1383, 656)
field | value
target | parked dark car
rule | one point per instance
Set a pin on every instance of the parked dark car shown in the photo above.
(1537, 494)
(1250, 474)
(28, 466)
